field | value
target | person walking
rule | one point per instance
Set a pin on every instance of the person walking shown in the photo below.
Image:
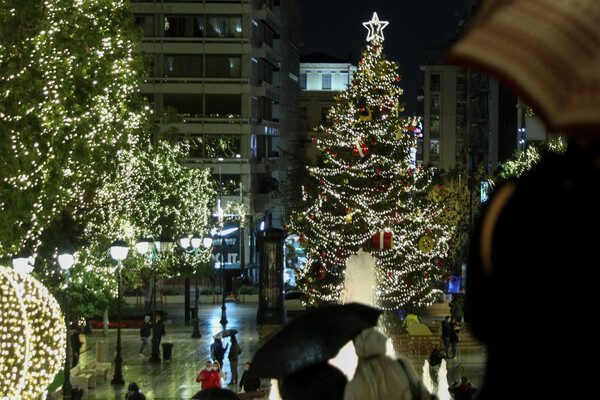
(454, 337)
(234, 353)
(208, 377)
(158, 333)
(446, 333)
(249, 384)
(145, 331)
(76, 345)
(463, 390)
(457, 306)
(134, 392)
(222, 374)
(217, 351)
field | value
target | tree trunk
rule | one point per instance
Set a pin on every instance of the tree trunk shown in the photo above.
(105, 322)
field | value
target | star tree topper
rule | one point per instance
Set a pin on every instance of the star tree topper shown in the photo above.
(375, 27)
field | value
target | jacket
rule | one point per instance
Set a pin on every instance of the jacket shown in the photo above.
(379, 377)
(209, 378)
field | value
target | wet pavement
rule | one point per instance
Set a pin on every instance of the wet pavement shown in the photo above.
(177, 379)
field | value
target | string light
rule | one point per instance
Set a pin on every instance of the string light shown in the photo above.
(366, 183)
(32, 336)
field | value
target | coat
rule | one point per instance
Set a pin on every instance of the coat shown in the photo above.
(234, 351)
(377, 376)
(209, 378)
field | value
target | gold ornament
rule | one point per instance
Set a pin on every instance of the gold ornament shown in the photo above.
(426, 243)
(348, 218)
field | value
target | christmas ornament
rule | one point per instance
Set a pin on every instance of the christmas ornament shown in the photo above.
(426, 243)
(366, 116)
(375, 28)
(383, 240)
(360, 149)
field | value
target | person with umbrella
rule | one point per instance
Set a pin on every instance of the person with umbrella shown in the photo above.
(539, 232)
(297, 355)
(217, 350)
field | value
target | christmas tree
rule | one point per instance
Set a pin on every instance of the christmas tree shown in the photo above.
(370, 194)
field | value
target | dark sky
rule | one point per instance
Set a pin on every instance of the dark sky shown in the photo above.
(415, 26)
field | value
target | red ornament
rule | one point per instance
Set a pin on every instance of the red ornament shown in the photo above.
(397, 79)
(383, 240)
(321, 273)
(360, 149)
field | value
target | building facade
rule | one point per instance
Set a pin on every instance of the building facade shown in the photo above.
(229, 70)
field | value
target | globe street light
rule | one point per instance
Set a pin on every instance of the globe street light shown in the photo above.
(192, 246)
(118, 252)
(152, 249)
(66, 261)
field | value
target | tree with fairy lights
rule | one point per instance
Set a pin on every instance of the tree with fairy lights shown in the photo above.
(81, 162)
(370, 194)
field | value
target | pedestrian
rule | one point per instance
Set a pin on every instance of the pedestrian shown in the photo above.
(134, 392)
(454, 337)
(436, 356)
(217, 351)
(145, 331)
(378, 376)
(435, 361)
(249, 384)
(76, 345)
(446, 333)
(208, 377)
(234, 354)
(457, 306)
(463, 390)
(222, 374)
(158, 333)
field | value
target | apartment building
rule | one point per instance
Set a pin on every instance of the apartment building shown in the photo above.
(229, 69)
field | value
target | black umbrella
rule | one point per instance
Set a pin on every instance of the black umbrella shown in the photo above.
(311, 338)
(225, 333)
(215, 393)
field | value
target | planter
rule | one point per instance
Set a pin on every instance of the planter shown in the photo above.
(178, 299)
(134, 300)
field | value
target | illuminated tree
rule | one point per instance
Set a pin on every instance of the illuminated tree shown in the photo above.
(69, 104)
(80, 160)
(368, 187)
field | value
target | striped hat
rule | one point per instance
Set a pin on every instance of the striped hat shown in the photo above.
(547, 51)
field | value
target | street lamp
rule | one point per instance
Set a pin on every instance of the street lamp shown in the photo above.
(118, 252)
(65, 261)
(152, 249)
(192, 246)
(23, 264)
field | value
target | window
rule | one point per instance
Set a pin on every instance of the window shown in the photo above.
(434, 147)
(184, 26)
(146, 23)
(435, 83)
(187, 104)
(326, 82)
(435, 102)
(434, 126)
(224, 26)
(218, 66)
(303, 80)
(182, 65)
(223, 105)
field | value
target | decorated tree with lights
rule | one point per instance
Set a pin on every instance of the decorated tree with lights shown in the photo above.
(370, 194)
(69, 104)
(81, 162)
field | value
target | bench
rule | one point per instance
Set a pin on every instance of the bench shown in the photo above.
(101, 370)
(83, 378)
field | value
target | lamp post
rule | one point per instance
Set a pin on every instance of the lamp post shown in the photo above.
(65, 261)
(192, 246)
(152, 249)
(118, 252)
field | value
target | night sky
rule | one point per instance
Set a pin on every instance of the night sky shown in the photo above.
(415, 27)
